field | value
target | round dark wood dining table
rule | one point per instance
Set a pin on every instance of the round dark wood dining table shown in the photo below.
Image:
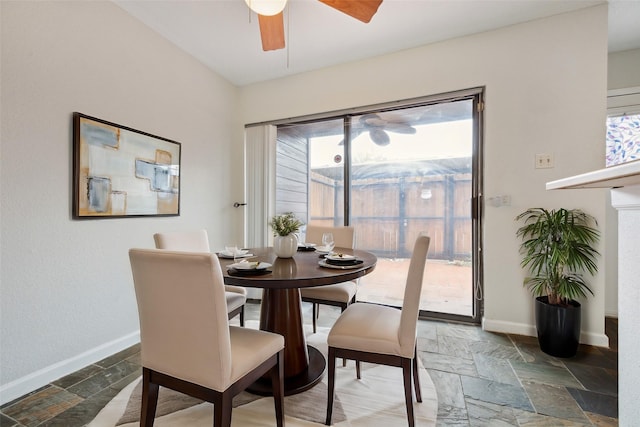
(281, 310)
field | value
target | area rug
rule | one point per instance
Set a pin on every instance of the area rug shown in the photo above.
(375, 400)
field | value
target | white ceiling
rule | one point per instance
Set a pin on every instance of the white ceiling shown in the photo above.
(224, 35)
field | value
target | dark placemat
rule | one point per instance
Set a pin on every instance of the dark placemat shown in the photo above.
(251, 272)
(343, 261)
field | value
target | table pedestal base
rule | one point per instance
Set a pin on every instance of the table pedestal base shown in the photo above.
(296, 384)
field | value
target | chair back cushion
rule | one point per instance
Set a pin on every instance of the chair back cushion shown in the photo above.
(192, 241)
(342, 236)
(184, 330)
(411, 303)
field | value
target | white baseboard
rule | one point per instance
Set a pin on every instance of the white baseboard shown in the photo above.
(44, 376)
(598, 340)
(508, 327)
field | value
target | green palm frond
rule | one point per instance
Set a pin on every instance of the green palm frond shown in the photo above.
(557, 245)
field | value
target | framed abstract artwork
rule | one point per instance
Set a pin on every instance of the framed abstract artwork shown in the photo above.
(122, 172)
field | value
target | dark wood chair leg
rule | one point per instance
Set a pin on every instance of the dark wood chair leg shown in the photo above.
(342, 309)
(277, 382)
(149, 399)
(242, 316)
(408, 395)
(358, 370)
(416, 376)
(331, 383)
(222, 410)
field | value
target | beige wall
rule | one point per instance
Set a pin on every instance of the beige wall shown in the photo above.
(545, 93)
(624, 69)
(67, 295)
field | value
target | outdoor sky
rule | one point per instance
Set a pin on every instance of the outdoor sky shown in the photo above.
(433, 141)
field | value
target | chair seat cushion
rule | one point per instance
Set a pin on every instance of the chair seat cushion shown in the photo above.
(234, 300)
(236, 289)
(341, 292)
(368, 327)
(249, 348)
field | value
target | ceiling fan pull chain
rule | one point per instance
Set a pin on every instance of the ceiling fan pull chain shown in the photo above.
(288, 7)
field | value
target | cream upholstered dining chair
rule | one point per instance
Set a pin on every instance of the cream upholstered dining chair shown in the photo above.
(186, 342)
(198, 241)
(340, 294)
(384, 335)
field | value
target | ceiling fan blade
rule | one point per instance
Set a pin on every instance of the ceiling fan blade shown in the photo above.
(371, 120)
(362, 10)
(379, 137)
(400, 128)
(272, 31)
(374, 121)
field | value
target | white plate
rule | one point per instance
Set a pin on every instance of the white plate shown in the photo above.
(306, 245)
(324, 263)
(229, 255)
(323, 250)
(340, 256)
(248, 265)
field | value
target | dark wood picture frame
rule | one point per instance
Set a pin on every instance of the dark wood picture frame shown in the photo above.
(120, 172)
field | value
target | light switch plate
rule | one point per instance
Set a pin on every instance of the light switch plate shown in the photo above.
(544, 161)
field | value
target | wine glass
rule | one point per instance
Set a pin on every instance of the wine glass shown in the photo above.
(233, 250)
(327, 241)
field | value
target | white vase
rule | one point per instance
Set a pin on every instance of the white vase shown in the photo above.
(285, 246)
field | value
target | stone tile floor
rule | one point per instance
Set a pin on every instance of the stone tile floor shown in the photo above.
(482, 379)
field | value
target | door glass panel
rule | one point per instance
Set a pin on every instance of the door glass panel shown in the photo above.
(411, 172)
(326, 178)
(310, 171)
(406, 171)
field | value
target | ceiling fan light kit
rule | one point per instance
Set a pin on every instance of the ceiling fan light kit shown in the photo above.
(271, 20)
(266, 7)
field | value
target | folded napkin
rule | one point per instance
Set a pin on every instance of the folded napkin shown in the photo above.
(340, 256)
(249, 265)
(239, 254)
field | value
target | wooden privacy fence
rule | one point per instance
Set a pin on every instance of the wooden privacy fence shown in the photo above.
(389, 213)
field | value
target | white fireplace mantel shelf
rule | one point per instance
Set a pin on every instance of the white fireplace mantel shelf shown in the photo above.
(611, 177)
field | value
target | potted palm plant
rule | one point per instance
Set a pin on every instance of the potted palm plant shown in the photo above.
(557, 247)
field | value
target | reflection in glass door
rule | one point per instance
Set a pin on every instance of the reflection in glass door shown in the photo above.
(391, 175)
(411, 172)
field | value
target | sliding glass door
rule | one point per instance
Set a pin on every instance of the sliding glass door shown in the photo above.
(392, 173)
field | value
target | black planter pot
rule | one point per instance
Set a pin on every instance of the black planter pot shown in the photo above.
(558, 327)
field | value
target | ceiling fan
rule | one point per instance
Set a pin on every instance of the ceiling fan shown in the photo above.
(378, 128)
(271, 20)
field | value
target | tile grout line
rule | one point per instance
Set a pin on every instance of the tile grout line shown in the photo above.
(563, 387)
(574, 377)
(516, 374)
